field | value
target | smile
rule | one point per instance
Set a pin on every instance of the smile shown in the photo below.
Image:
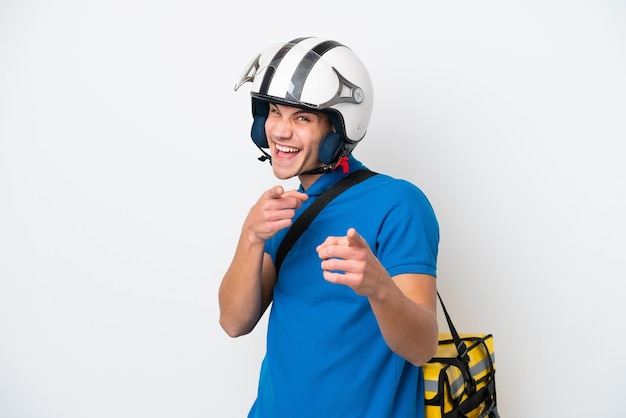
(283, 148)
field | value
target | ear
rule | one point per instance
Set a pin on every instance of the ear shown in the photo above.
(260, 110)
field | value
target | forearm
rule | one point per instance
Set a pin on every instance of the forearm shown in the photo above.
(409, 327)
(241, 291)
(246, 289)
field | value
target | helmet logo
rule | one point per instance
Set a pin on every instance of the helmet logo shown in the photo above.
(357, 94)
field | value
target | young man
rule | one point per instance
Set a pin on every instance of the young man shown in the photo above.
(353, 307)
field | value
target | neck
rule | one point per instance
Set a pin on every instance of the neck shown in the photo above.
(307, 180)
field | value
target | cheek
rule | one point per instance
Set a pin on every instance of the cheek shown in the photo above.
(319, 138)
(314, 143)
(269, 127)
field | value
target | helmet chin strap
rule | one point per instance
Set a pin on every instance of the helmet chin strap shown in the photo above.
(342, 162)
(320, 170)
(265, 156)
(326, 168)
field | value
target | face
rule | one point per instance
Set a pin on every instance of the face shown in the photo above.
(294, 136)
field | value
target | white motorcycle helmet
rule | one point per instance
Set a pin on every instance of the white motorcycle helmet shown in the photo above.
(317, 74)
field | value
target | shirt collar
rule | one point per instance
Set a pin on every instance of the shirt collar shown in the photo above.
(328, 179)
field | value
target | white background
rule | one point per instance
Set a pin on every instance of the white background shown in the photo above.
(126, 170)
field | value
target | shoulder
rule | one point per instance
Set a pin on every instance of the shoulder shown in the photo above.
(382, 196)
(395, 189)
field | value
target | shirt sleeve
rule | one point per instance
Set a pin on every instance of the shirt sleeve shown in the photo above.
(408, 238)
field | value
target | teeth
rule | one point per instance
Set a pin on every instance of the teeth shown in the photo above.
(283, 148)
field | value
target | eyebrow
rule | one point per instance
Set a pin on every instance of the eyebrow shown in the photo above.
(310, 112)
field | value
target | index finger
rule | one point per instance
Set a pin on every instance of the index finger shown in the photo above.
(276, 192)
(354, 239)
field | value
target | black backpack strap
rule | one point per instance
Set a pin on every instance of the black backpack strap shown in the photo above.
(459, 344)
(461, 349)
(303, 221)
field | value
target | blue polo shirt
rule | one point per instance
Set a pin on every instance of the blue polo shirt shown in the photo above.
(326, 356)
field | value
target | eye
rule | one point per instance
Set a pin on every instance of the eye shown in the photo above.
(274, 112)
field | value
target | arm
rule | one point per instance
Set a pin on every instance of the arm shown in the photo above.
(405, 306)
(246, 289)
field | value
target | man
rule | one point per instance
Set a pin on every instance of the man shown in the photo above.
(353, 307)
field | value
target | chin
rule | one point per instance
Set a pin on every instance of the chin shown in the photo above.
(283, 174)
